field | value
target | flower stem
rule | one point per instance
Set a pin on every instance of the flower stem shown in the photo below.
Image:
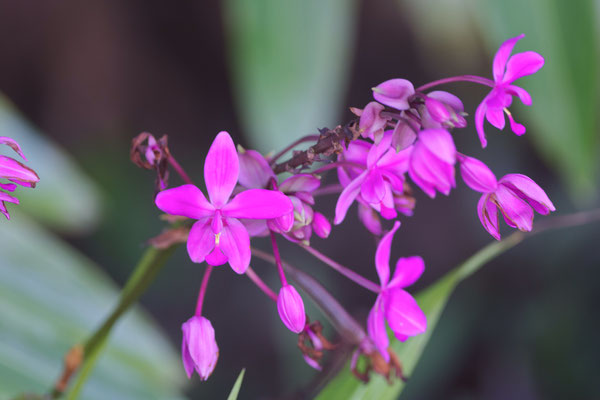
(336, 164)
(179, 169)
(304, 139)
(462, 78)
(261, 284)
(347, 272)
(143, 275)
(278, 259)
(350, 330)
(203, 287)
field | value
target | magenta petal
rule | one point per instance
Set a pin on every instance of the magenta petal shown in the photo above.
(291, 309)
(216, 257)
(477, 175)
(14, 170)
(522, 64)
(382, 256)
(369, 219)
(376, 328)
(403, 314)
(221, 169)
(347, 197)
(255, 172)
(234, 242)
(370, 120)
(488, 215)
(408, 270)
(517, 211)
(377, 150)
(188, 363)
(404, 136)
(202, 348)
(521, 93)
(8, 186)
(528, 190)
(502, 56)
(13, 145)
(300, 183)
(185, 200)
(258, 204)
(321, 225)
(518, 129)
(447, 98)
(201, 240)
(495, 116)
(373, 188)
(394, 93)
(479, 121)
(440, 143)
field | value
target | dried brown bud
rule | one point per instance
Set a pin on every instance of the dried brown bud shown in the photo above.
(149, 153)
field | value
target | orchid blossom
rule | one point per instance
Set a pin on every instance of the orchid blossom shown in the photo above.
(16, 173)
(507, 69)
(218, 236)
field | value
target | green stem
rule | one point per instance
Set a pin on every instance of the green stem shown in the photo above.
(150, 264)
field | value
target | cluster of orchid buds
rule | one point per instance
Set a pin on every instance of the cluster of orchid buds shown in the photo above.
(405, 133)
(16, 173)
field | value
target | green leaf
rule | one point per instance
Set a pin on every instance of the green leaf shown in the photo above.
(432, 301)
(565, 91)
(289, 65)
(236, 386)
(65, 198)
(52, 297)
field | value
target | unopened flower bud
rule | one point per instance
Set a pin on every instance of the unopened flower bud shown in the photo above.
(199, 349)
(291, 309)
(321, 225)
(477, 175)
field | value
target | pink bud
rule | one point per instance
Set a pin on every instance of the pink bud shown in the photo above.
(321, 225)
(291, 309)
(437, 110)
(394, 93)
(477, 175)
(199, 349)
(255, 172)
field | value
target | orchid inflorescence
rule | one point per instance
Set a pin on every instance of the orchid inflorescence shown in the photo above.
(404, 133)
(16, 173)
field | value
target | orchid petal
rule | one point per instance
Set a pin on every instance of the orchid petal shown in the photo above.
(448, 98)
(394, 93)
(502, 56)
(300, 183)
(528, 190)
(479, 121)
(188, 363)
(258, 204)
(376, 328)
(408, 270)
(440, 143)
(14, 170)
(256, 227)
(403, 314)
(404, 135)
(369, 219)
(221, 169)
(216, 257)
(488, 215)
(373, 188)
(522, 64)
(477, 175)
(13, 145)
(377, 150)
(235, 244)
(514, 209)
(185, 200)
(495, 117)
(523, 94)
(255, 172)
(201, 240)
(347, 197)
(382, 256)
(517, 128)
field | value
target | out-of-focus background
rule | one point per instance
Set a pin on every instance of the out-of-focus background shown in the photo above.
(80, 79)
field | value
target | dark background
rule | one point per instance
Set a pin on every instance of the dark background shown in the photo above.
(94, 74)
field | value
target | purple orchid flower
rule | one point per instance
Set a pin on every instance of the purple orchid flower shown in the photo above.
(515, 195)
(15, 172)
(432, 162)
(199, 349)
(394, 304)
(507, 69)
(218, 236)
(382, 176)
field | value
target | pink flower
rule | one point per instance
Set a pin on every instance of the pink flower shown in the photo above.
(394, 304)
(507, 69)
(291, 309)
(199, 349)
(442, 110)
(382, 177)
(516, 196)
(371, 123)
(394, 93)
(16, 172)
(218, 236)
(432, 161)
